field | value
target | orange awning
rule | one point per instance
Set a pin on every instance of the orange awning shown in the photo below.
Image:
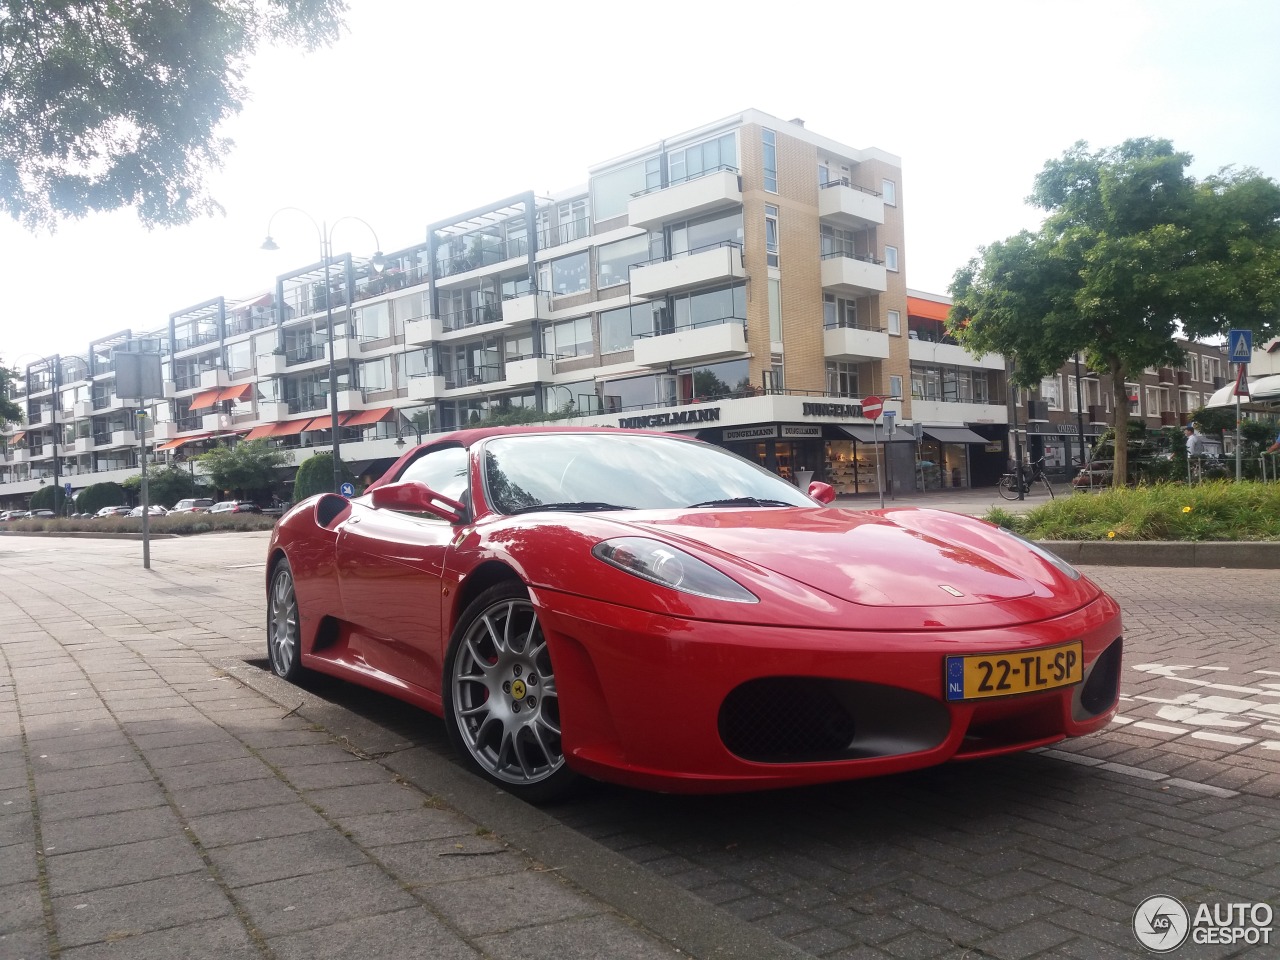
(205, 398)
(237, 392)
(266, 430)
(17, 438)
(290, 427)
(179, 441)
(929, 309)
(325, 422)
(366, 417)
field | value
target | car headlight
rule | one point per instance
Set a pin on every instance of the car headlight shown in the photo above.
(668, 566)
(1044, 554)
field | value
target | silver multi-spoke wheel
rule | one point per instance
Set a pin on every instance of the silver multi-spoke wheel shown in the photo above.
(282, 624)
(502, 701)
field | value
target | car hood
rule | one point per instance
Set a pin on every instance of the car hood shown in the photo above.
(898, 558)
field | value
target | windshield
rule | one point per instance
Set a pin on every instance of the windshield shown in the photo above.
(624, 471)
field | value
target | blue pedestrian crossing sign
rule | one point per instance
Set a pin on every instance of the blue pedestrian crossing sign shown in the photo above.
(1239, 346)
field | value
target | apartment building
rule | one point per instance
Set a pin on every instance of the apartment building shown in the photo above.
(744, 281)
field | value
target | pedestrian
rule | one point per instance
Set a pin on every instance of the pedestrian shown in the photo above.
(1195, 441)
(1275, 447)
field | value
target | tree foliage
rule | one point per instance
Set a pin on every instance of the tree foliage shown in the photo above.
(98, 495)
(49, 498)
(167, 485)
(1133, 252)
(247, 469)
(10, 412)
(315, 475)
(107, 104)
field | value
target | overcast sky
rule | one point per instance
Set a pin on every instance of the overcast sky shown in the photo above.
(426, 110)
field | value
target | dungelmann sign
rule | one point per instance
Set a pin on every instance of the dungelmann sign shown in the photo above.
(673, 418)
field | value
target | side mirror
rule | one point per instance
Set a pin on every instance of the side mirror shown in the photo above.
(417, 498)
(822, 492)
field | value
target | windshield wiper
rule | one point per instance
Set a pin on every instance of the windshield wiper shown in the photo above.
(742, 502)
(575, 506)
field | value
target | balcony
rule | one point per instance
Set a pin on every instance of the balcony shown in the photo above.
(523, 310)
(1165, 375)
(350, 400)
(718, 263)
(273, 411)
(165, 430)
(81, 409)
(848, 206)
(1169, 418)
(83, 445)
(124, 438)
(21, 454)
(343, 348)
(713, 341)
(271, 364)
(1184, 378)
(852, 343)
(860, 276)
(421, 331)
(527, 370)
(216, 422)
(216, 377)
(426, 387)
(928, 351)
(718, 189)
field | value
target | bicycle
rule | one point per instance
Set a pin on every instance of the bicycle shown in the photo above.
(1030, 473)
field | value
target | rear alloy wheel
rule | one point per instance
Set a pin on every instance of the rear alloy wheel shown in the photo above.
(501, 703)
(283, 633)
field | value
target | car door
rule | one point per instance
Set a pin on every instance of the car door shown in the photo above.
(390, 570)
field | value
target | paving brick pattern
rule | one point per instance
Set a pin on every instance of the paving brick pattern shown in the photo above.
(153, 804)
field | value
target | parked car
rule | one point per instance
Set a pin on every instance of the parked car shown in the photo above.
(193, 505)
(154, 510)
(43, 514)
(117, 511)
(13, 515)
(655, 611)
(235, 506)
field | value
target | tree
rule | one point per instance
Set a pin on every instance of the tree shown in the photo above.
(98, 495)
(1132, 253)
(315, 475)
(167, 485)
(106, 105)
(49, 498)
(10, 412)
(246, 469)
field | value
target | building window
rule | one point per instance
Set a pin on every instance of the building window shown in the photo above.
(889, 190)
(838, 312)
(569, 338)
(842, 378)
(1135, 404)
(771, 234)
(891, 258)
(1051, 392)
(770, 160)
(611, 191)
(617, 259)
(895, 386)
(824, 174)
(705, 157)
(775, 310)
(894, 319)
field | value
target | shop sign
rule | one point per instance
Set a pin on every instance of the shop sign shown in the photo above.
(831, 410)
(749, 433)
(674, 418)
(800, 430)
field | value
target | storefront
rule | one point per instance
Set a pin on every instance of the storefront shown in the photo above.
(947, 456)
(794, 451)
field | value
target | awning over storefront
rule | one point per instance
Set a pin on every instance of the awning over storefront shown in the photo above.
(205, 398)
(366, 417)
(258, 433)
(861, 433)
(954, 435)
(17, 438)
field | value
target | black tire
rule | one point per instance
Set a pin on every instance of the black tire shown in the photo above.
(1008, 487)
(284, 633)
(1048, 486)
(501, 706)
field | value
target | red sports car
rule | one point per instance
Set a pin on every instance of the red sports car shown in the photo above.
(655, 611)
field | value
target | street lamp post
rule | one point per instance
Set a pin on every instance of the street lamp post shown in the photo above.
(1080, 411)
(325, 232)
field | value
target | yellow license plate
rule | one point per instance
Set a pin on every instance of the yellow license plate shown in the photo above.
(982, 675)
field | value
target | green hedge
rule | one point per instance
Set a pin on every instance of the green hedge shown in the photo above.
(98, 495)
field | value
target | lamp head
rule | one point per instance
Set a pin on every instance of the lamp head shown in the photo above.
(400, 443)
(270, 244)
(379, 261)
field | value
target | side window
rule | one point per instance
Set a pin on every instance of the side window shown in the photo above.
(444, 470)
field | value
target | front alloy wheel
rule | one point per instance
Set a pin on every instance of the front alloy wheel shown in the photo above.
(501, 704)
(283, 633)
